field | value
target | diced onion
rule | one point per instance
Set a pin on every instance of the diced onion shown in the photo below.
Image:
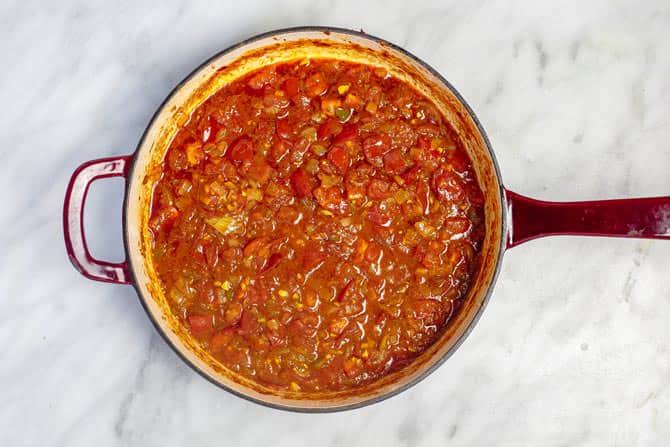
(225, 224)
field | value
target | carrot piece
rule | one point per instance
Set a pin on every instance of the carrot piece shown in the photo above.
(200, 323)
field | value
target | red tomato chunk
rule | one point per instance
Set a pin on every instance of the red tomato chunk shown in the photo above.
(316, 225)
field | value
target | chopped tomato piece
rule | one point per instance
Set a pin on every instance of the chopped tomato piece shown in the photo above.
(291, 87)
(447, 185)
(411, 175)
(339, 157)
(241, 150)
(394, 162)
(374, 148)
(377, 216)
(330, 198)
(328, 128)
(302, 183)
(349, 133)
(379, 189)
(315, 85)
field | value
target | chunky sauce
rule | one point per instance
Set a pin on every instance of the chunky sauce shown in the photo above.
(316, 225)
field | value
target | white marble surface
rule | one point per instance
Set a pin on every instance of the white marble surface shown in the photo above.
(574, 348)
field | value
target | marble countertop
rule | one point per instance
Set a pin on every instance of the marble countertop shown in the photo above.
(574, 347)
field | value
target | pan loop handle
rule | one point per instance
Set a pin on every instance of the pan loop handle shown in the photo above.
(73, 219)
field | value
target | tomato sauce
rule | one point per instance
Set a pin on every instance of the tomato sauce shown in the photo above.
(316, 225)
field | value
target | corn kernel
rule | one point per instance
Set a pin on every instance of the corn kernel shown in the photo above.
(342, 89)
(294, 386)
(282, 293)
(226, 285)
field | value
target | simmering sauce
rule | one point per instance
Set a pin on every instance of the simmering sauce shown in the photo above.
(316, 225)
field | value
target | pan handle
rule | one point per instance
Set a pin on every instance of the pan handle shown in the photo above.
(647, 218)
(73, 219)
